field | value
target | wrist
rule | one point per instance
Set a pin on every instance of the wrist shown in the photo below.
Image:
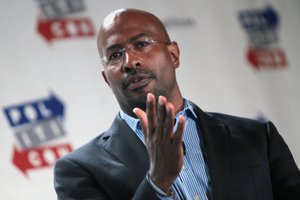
(159, 191)
(165, 184)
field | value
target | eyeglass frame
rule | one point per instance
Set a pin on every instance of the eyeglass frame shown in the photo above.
(130, 45)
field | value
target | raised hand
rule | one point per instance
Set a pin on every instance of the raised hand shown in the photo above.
(164, 147)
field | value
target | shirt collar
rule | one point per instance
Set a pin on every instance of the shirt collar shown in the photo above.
(131, 121)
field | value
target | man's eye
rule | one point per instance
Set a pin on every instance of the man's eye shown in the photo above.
(142, 44)
(116, 55)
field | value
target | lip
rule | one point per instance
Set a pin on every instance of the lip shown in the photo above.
(136, 82)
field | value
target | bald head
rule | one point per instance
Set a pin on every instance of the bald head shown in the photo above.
(134, 21)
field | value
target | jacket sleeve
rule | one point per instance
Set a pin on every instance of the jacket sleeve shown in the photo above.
(73, 182)
(285, 174)
(145, 191)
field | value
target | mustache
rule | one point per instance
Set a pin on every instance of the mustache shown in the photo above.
(137, 74)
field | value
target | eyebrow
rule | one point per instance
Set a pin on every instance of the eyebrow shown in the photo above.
(134, 38)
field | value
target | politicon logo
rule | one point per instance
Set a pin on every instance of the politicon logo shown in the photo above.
(35, 125)
(55, 23)
(261, 27)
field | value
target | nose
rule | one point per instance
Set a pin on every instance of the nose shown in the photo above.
(132, 60)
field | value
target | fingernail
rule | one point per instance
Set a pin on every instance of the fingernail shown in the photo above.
(160, 100)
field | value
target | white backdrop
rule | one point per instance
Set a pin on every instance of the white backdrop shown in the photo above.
(53, 98)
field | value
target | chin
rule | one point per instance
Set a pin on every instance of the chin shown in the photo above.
(138, 103)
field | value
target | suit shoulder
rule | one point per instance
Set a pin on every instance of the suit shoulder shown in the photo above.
(232, 119)
(240, 123)
(87, 150)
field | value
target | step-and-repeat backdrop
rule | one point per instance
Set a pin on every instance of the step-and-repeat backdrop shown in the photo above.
(237, 56)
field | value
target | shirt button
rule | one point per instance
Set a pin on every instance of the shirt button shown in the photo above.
(196, 197)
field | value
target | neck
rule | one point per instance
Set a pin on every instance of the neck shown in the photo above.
(178, 103)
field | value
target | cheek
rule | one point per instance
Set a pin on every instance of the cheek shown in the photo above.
(114, 79)
(163, 65)
(165, 70)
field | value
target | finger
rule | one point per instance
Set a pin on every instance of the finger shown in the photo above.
(169, 122)
(161, 115)
(143, 119)
(151, 113)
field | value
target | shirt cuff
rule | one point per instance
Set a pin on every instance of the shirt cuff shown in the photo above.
(161, 194)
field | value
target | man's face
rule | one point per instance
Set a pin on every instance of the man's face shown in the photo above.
(138, 72)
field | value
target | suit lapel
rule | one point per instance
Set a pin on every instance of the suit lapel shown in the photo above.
(215, 142)
(128, 148)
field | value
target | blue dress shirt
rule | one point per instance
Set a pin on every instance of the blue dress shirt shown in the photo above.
(193, 180)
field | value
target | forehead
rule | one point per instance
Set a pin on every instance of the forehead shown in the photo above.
(119, 28)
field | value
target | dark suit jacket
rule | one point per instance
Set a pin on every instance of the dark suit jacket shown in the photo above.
(247, 159)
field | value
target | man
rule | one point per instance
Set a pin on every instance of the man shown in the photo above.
(162, 146)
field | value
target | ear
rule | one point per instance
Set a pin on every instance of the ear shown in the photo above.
(174, 53)
(104, 76)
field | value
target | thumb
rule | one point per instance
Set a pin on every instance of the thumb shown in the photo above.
(143, 119)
